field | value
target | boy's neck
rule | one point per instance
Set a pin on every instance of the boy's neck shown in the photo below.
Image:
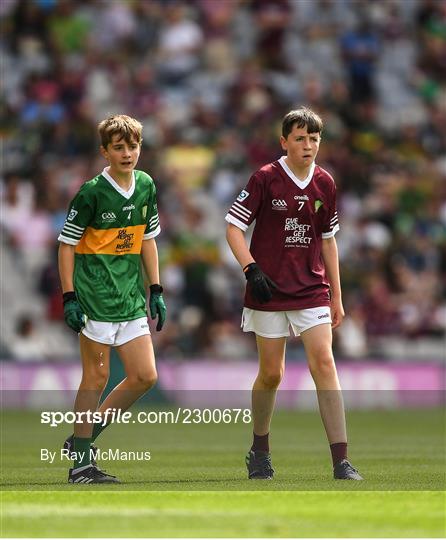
(124, 181)
(299, 172)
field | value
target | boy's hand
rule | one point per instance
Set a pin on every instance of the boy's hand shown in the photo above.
(157, 305)
(73, 314)
(337, 312)
(259, 283)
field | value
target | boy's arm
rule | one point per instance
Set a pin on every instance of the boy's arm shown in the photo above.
(149, 257)
(66, 266)
(331, 262)
(239, 247)
(74, 317)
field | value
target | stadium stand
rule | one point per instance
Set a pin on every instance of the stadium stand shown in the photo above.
(210, 81)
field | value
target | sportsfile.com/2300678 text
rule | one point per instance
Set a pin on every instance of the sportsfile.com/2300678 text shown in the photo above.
(180, 415)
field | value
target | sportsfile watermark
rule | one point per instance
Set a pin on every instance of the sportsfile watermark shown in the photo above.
(198, 440)
(181, 415)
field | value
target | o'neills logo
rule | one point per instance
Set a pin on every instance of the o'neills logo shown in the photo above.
(279, 204)
(324, 316)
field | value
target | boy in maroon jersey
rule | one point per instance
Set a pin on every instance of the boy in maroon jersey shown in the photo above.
(292, 273)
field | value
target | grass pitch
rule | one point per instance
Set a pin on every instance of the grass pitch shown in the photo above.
(195, 483)
(223, 514)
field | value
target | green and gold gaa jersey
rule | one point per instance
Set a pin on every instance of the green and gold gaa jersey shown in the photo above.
(108, 225)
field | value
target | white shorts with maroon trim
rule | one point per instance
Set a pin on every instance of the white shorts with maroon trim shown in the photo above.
(275, 324)
(116, 333)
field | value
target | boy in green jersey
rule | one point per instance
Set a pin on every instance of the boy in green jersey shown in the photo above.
(110, 230)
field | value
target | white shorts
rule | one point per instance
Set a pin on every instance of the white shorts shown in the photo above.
(274, 324)
(116, 333)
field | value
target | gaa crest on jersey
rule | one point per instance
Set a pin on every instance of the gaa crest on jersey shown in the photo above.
(73, 213)
(144, 211)
(108, 217)
(317, 204)
(279, 204)
(243, 195)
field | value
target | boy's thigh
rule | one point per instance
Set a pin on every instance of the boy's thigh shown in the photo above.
(271, 352)
(138, 357)
(95, 355)
(317, 341)
(133, 343)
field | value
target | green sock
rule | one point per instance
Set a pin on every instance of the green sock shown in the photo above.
(82, 449)
(97, 430)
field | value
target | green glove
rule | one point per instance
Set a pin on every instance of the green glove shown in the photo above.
(73, 314)
(157, 305)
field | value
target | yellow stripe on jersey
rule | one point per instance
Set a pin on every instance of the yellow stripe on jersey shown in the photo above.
(118, 241)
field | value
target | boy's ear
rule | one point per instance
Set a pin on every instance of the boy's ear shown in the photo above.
(103, 151)
(283, 142)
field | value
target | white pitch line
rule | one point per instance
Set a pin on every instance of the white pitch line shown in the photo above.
(33, 510)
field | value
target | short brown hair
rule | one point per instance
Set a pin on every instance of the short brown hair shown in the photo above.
(126, 126)
(303, 116)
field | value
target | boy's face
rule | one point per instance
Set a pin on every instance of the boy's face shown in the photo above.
(301, 147)
(121, 155)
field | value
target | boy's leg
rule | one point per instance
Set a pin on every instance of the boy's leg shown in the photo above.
(138, 359)
(271, 352)
(318, 347)
(95, 371)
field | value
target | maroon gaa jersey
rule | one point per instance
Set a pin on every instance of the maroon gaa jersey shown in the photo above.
(292, 216)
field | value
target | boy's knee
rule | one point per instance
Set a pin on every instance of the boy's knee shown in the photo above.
(148, 381)
(271, 378)
(322, 365)
(144, 380)
(95, 380)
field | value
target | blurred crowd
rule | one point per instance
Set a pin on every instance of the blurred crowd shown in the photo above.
(210, 80)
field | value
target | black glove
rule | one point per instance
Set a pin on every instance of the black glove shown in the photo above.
(157, 305)
(260, 284)
(72, 311)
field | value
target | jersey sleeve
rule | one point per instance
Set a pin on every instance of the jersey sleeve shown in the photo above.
(153, 221)
(80, 215)
(244, 209)
(331, 225)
